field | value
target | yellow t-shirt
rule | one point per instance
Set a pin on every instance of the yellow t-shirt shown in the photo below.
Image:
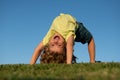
(64, 24)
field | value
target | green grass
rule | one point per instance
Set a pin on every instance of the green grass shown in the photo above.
(81, 71)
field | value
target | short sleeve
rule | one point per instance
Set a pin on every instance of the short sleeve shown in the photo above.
(48, 36)
(69, 34)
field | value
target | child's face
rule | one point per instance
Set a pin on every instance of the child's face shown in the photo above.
(57, 44)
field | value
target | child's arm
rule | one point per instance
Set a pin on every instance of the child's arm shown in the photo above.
(36, 53)
(69, 47)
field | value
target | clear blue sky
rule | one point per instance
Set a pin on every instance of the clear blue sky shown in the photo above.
(24, 23)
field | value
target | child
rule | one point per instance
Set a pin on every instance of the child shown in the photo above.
(61, 36)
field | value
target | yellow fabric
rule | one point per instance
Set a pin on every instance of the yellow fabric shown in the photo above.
(64, 24)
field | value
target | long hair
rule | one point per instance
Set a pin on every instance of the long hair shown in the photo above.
(48, 57)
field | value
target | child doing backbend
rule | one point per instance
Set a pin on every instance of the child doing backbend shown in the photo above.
(59, 40)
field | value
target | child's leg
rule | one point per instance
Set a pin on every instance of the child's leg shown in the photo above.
(91, 50)
(84, 36)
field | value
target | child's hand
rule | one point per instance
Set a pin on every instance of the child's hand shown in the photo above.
(92, 61)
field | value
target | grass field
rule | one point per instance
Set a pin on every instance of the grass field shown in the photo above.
(81, 71)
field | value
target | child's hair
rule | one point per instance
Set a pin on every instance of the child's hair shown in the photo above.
(51, 57)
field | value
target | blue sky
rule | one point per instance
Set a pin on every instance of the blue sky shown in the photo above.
(24, 23)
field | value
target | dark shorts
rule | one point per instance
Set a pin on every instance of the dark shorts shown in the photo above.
(82, 34)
